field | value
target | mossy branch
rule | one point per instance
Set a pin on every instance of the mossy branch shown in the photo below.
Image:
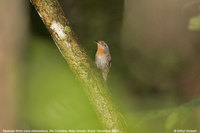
(53, 17)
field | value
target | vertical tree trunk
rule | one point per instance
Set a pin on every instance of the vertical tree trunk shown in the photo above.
(13, 15)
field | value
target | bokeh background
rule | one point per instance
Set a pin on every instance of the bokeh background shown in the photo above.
(155, 74)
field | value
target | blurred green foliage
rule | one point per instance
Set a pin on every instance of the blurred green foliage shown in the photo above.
(165, 120)
(53, 96)
(194, 23)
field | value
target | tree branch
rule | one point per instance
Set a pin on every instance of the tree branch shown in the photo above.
(94, 86)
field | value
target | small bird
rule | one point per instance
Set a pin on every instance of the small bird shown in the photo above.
(103, 58)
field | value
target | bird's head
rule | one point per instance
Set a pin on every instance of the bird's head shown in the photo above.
(102, 48)
(101, 45)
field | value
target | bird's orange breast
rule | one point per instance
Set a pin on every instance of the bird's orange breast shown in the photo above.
(100, 51)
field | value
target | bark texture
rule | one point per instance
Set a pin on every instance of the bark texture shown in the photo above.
(99, 96)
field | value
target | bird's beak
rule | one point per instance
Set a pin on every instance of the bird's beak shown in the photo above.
(96, 42)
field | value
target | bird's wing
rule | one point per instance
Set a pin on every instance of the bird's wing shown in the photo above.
(109, 61)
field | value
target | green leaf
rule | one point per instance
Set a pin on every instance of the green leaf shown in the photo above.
(194, 23)
(67, 28)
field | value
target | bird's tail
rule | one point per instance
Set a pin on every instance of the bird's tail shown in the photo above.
(105, 74)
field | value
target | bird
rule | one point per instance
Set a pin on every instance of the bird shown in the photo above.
(103, 58)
